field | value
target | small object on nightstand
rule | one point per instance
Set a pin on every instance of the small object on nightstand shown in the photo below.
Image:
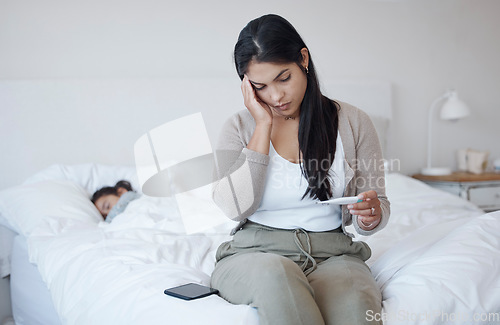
(473, 161)
(462, 160)
(496, 165)
(481, 189)
(477, 161)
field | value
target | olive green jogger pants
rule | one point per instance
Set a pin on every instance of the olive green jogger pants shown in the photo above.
(298, 277)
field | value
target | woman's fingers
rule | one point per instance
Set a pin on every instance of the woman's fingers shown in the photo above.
(259, 110)
(369, 210)
(366, 211)
(371, 194)
(368, 223)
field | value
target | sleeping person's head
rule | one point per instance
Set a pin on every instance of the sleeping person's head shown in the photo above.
(107, 197)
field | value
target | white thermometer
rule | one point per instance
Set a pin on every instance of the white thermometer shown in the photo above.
(342, 200)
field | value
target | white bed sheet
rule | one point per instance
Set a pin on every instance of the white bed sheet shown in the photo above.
(437, 260)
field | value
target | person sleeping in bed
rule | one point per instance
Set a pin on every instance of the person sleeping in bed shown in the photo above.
(112, 200)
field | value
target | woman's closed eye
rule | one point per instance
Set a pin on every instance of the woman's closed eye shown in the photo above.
(280, 80)
(286, 79)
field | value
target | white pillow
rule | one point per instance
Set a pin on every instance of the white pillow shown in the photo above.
(25, 207)
(90, 176)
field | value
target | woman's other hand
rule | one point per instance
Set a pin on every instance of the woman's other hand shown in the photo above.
(369, 212)
(260, 111)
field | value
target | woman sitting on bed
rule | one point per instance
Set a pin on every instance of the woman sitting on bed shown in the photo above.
(292, 148)
(112, 200)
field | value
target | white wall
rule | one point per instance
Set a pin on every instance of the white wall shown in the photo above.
(422, 47)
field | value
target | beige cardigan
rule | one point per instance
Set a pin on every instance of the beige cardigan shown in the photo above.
(241, 172)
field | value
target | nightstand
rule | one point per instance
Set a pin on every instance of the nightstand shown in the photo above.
(481, 189)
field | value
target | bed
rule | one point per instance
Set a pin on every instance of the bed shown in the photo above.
(436, 262)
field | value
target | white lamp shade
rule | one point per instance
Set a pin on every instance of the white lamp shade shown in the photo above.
(454, 108)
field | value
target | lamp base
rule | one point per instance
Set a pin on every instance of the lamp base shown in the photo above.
(435, 171)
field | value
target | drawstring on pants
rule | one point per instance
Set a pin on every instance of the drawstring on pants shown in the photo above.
(306, 253)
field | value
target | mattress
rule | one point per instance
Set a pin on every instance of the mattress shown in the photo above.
(31, 300)
(6, 241)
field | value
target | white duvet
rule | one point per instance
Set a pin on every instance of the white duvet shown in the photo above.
(116, 273)
(437, 261)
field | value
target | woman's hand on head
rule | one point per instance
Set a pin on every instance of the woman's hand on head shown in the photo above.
(369, 212)
(260, 111)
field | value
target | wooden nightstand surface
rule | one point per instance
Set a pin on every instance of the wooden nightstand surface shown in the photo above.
(481, 189)
(460, 177)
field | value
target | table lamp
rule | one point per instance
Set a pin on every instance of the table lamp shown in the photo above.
(453, 109)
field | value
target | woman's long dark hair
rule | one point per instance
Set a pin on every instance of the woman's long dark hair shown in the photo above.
(273, 39)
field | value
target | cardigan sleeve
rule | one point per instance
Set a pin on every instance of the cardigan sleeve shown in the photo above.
(369, 166)
(240, 173)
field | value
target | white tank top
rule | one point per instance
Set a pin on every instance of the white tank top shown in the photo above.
(281, 205)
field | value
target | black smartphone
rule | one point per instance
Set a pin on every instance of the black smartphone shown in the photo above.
(190, 291)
